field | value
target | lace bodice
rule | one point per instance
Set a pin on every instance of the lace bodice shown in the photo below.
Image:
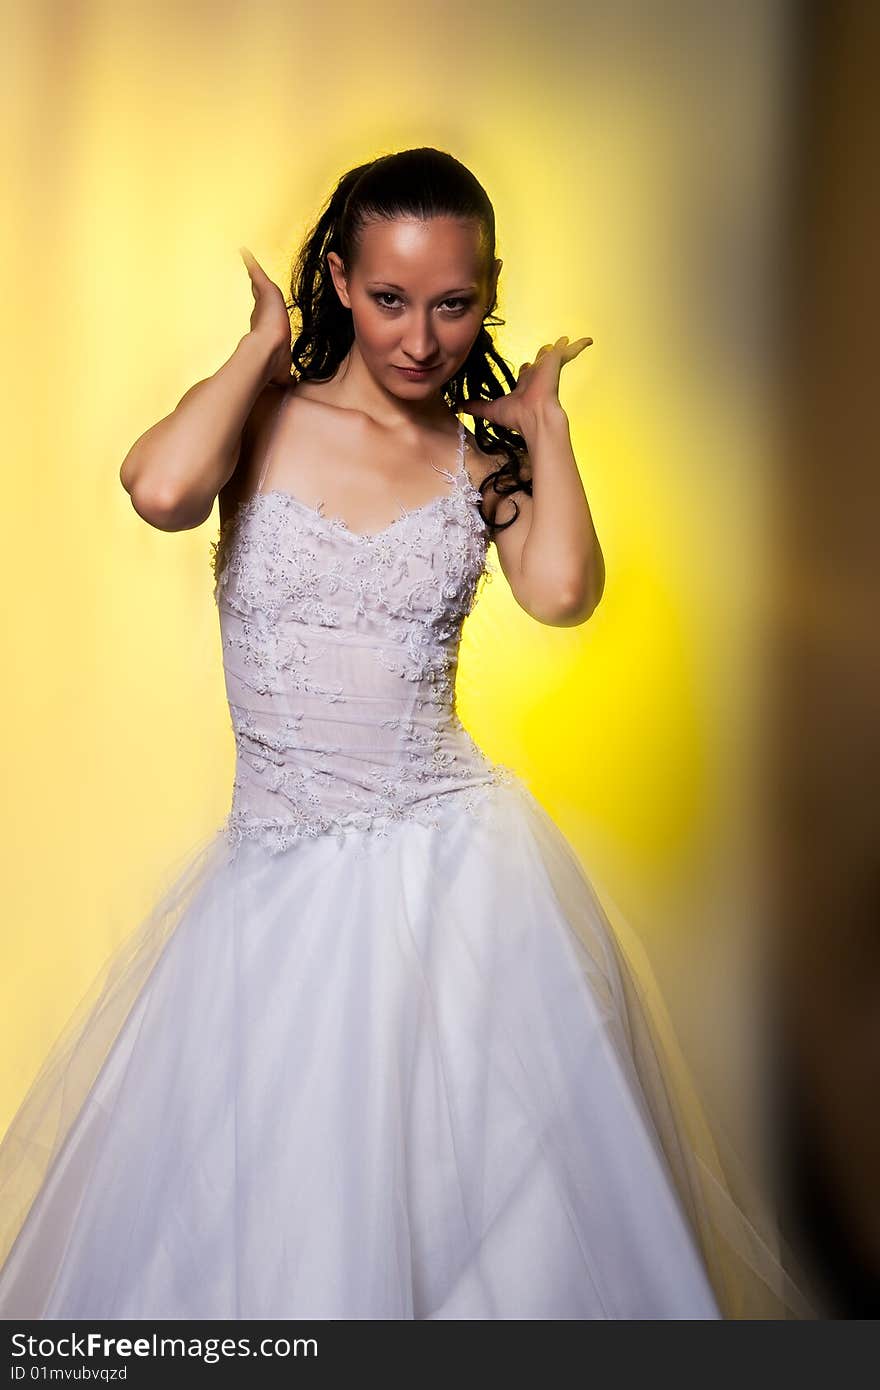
(340, 653)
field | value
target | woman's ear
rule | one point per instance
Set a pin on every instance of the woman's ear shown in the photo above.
(493, 280)
(337, 274)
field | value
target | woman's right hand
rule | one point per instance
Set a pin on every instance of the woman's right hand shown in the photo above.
(270, 319)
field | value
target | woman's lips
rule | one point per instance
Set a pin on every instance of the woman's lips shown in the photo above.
(416, 372)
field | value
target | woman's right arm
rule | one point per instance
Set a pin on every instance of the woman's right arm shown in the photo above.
(175, 470)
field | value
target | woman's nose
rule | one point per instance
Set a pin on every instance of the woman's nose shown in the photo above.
(420, 343)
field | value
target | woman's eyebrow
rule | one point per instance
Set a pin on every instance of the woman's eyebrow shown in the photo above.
(389, 285)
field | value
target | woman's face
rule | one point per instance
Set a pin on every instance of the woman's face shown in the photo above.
(418, 294)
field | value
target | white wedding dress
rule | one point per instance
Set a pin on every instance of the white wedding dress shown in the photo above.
(377, 1052)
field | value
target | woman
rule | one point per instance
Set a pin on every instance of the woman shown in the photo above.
(378, 1052)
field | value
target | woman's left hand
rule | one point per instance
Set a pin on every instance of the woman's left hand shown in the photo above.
(537, 387)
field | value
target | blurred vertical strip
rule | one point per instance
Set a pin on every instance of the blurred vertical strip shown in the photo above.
(824, 646)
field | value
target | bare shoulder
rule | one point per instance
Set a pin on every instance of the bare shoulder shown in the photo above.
(253, 443)
(306, 411)
(480, 465)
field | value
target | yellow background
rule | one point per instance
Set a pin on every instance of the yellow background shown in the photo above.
(634, 156)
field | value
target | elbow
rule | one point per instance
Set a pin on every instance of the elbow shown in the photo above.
(563, 610)
(574, 609)
(158, 499)
(571, 604)
(591, 599)
(580, 600)
(163, 506)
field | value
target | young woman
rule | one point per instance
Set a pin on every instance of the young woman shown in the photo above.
(378, 1052)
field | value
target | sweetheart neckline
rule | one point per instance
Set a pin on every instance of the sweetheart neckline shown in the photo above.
(338, 524)
(462, 485)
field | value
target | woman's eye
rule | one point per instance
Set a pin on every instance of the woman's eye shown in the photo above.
(459, 306)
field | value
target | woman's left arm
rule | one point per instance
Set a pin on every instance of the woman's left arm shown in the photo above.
(550, 555)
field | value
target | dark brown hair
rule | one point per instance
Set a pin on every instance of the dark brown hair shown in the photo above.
(420, 183)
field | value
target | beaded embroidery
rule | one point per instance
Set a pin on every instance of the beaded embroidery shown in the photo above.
(340, 651)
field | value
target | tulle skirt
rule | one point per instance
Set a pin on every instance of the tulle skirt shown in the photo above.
(410, 1075)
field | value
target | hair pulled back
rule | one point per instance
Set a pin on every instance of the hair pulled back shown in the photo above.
(419, 183)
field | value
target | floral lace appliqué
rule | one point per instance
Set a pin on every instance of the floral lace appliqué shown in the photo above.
(340, 653)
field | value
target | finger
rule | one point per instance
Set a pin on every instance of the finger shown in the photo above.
(523, 367)
(255, 270)
(573, 349)
(483, 409)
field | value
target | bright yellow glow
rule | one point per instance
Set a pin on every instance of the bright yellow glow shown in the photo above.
(147, 145)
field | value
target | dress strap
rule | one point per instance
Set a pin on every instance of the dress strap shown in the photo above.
(462, 478)
(270, 449)
(454, 475)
